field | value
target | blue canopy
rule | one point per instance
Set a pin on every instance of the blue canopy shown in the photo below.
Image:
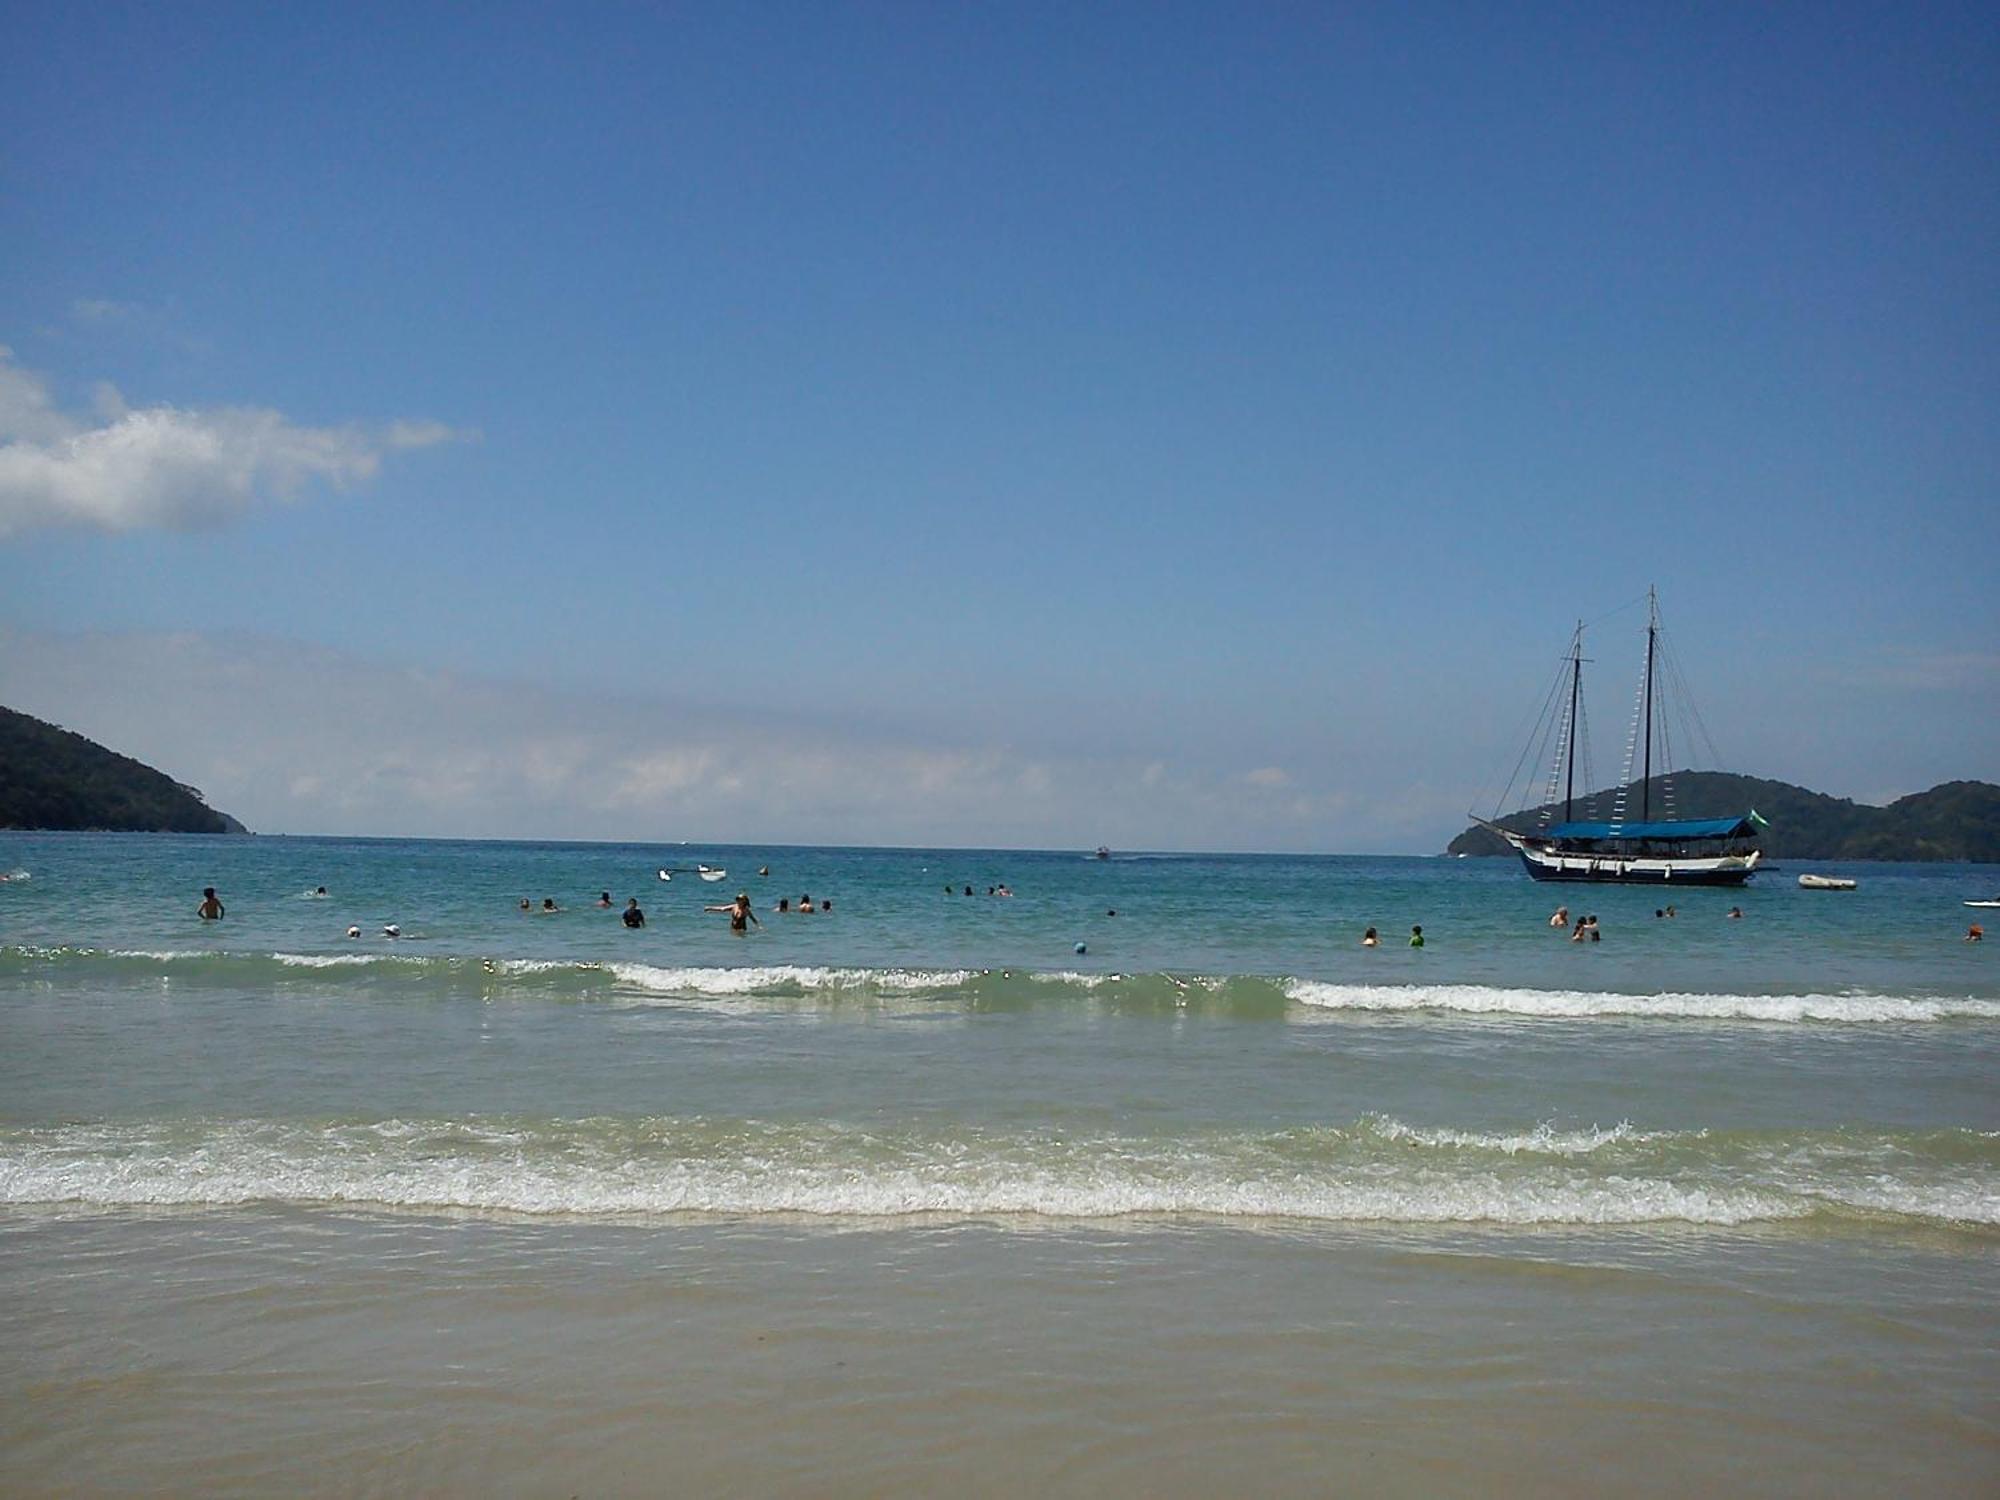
(1683, 828)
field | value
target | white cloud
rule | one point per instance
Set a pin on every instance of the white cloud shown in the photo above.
(298, 739)
(103, 310)
(162, 466)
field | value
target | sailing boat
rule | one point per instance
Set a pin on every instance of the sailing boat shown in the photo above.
(1625, 850)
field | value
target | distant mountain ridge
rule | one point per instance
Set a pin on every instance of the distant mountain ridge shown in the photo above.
(1957, 820)
(51, 778)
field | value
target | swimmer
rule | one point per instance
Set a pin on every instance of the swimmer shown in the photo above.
(549, 905)
(320, 892)
(1561, 918)
(740, 915)
(825, 905)
(1735, 913)
(806, 905)
(1369, 940)
(1416, 937)
(354, 932)
(604, 899)
(1581, 929)
(210, 909)
(1975, 934)
(392, 931)
(633, 917)
(784, 905)
(526, 905)
(1590, 924)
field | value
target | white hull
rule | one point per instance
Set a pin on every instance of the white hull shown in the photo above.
(1826, 883)
(1554, 864)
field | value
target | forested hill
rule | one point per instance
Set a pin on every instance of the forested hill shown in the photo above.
(1958, 820)
(50, 778)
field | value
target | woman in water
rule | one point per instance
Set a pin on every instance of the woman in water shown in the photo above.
(740, 915)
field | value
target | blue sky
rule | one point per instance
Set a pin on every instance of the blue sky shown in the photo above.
(1166, 425)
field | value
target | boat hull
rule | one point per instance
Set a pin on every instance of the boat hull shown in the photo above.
(1607, 869)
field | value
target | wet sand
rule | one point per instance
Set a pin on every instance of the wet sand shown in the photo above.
(265, 1351)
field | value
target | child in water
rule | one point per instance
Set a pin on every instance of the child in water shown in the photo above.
(1416, 937)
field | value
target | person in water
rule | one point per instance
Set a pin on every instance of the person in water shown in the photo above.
(1561, 917)
(549, 905)
(633, 916)
(740, 915)
(1416, 937)
(210, 909)
(806, 905)
(1582, 930)
(605, 899)
(526, 905)
(1369, 940)
(1975, 934)
(1735, 913)
(1590, 925)
(785, 905)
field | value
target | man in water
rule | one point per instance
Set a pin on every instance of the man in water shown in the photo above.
(633, 916)
(1368, 939)
(740, 915)
(1416, 937)
(605, 899)
(1561, 917)
(210, 909)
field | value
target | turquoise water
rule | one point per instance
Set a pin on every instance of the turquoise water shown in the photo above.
(1736, 1172)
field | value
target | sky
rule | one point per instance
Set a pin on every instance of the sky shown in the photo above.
(1160, 425)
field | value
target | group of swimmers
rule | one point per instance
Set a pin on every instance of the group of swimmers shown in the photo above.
(1369, 939)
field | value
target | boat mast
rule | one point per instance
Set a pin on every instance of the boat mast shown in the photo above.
(1575, 689)
(1652, 635)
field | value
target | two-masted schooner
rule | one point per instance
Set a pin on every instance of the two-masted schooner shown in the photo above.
(1625, 849)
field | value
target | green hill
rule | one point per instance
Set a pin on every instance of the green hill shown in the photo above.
(50, 778)
(1958, 820)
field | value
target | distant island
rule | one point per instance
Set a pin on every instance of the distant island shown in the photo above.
(1959, 820)
(53, 779)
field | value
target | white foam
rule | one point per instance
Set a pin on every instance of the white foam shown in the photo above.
(778, 978)
(1561, 1004)
(1544, 1140)
(327, 960)
(596, 1167)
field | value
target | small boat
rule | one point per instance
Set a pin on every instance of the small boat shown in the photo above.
(1827, 883)
(1623, 849)
(1993, 905)
(710, 875)
(666, 874)
(1103, 852)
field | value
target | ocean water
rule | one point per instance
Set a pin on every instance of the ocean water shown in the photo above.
(914, 1192)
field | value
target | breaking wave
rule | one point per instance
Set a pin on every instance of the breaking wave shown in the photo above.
(1239, 996)
(1374, 1170)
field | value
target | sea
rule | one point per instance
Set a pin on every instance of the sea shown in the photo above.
(1009, 1172)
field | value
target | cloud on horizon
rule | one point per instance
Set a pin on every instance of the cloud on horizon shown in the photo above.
(162, 466)
(299, 739)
